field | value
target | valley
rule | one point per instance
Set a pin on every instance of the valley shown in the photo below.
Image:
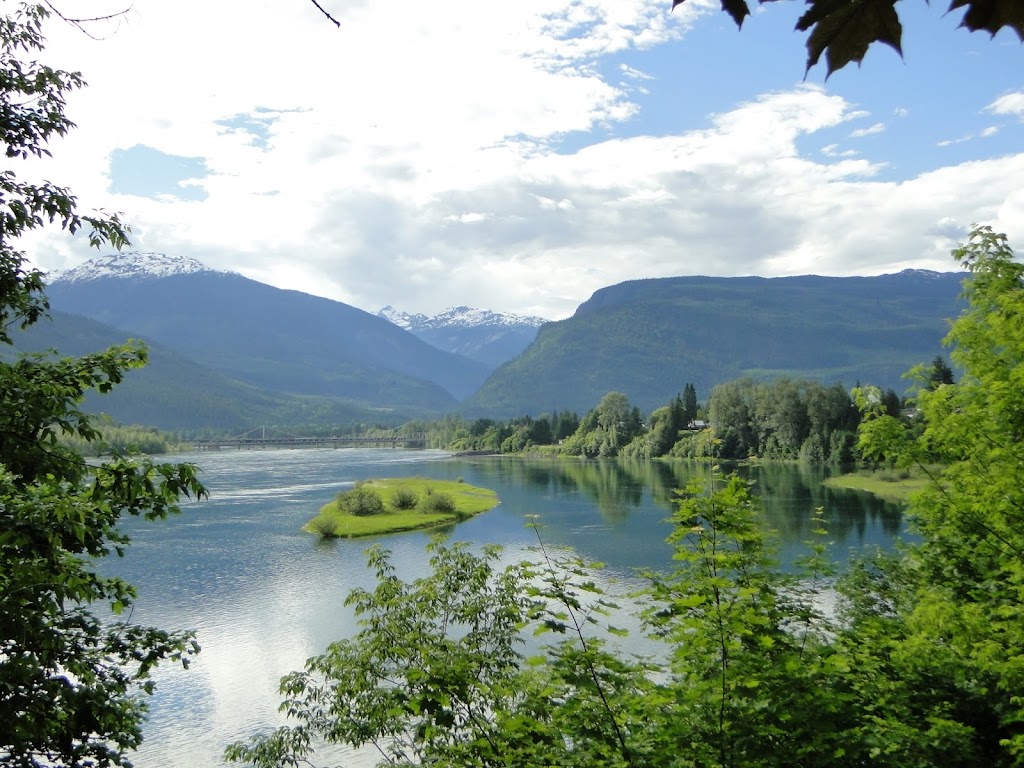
(228, 354)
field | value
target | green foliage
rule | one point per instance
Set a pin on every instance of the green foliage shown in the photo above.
(940, 373)
(360, 501)
(403, 499)
(71, 675)
(606, 429)
(955, 636)
(844, 31)
(783, 419)
(438, 503)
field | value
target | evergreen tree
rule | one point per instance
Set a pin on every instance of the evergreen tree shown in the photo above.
(689, 403)
(940, 373)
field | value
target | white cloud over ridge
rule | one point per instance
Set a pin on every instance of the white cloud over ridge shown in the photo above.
(413, 159)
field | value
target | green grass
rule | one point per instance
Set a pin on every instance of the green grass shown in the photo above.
(468, 500)
(889, 484)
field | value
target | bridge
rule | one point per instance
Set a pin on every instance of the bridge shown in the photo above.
(259, 439)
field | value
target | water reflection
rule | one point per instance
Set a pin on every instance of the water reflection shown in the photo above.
(633, 499)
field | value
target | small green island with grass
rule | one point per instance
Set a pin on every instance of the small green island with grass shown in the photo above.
(393, 505)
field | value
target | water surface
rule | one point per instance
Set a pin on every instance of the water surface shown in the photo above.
(263, 596)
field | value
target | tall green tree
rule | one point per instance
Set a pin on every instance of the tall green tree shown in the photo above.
(940, 373)
(689, 403)
(955, 631)
(71, 672)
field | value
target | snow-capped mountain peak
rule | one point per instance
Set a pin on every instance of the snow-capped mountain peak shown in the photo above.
(132, 265)
(488, 337)
(402, 319)
(459, 317)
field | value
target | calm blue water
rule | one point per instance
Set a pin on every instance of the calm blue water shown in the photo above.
(264, 596)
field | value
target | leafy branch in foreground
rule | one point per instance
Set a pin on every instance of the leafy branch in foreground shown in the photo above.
(843, 30)
(70, 678)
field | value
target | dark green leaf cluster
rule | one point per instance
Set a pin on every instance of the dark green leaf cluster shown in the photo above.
(843, 30)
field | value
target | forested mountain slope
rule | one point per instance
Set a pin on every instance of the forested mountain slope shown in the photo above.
(174, 393)
(648, 338)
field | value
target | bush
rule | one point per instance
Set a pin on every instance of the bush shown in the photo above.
(404, 500)
(323, 527)
(361, 502)
(439, 503)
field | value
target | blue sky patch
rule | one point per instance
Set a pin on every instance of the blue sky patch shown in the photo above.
(147, 172)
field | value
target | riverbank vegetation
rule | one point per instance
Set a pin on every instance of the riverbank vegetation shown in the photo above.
(392, 505)
(918, 665)
(115, 438)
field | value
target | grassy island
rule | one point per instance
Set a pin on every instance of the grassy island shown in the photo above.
(392, 505)
(896, 486)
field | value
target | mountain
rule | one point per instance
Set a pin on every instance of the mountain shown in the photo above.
(489, 337)
(174, 393)
(648, 338)
(285, 341)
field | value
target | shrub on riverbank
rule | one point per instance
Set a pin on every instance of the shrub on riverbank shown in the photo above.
(360, 501)
(438, 502)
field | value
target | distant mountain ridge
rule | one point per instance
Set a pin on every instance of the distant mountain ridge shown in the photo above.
(279, 354)
(278, 340)
(479, 334)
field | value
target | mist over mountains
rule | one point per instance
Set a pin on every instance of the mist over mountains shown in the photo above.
(229, 353)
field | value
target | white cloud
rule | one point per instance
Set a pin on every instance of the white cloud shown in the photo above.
(871, 130)
(412, 157)
(1008, 104)
(634, 74)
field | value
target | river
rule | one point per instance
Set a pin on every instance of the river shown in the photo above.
(263, 596)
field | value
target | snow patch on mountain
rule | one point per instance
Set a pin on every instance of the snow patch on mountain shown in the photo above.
(459, 317)
(403, 319)
(132, 265)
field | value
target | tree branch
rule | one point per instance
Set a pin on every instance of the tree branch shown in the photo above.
(325, 13)
(80, 23)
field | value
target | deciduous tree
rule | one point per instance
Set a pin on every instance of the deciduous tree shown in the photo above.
(71, 672)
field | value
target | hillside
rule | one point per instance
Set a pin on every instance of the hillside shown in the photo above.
(648, 338)
(174, 393)
(275, 339)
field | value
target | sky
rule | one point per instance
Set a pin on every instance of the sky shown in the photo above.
(520, 156)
